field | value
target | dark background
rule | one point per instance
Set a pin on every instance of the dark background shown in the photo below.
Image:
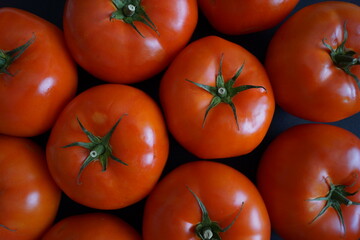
(256, 43)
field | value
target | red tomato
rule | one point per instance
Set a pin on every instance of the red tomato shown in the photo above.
(243, 16)
(173, 209)
(102, 170)
(29, 198)
(226, 119)
(39, 82)
(127, 50)
(299, 170)
(94, 226)
(306, 75)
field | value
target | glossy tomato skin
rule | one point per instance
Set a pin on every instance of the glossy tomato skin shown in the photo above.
(306, 82)
(185, 104)
(171, 211)
(29, 198)
(236, 17)
(297, 167)
(44, 76)
(140, 140)
(95, 226)
(113, 51)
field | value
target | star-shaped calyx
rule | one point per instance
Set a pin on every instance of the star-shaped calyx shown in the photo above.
(99, 147)
(336, 196)
(208, 229)
(344, 58)
(223, 92)
(131, 11)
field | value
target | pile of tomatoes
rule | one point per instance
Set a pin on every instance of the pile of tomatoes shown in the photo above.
(180, 119)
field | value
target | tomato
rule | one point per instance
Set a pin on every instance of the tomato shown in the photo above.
(127, 41)
(236, 17)
(37, 80)
(95, 226)
(217, 99)
(29, 198)
(312, 62)
(108, 147)
(308, 169)
(175, 208)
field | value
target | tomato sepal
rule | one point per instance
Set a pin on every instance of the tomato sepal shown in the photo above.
(100, 148)
(336, 196)
(344, 58)
(7, 57)
(7, 228)
(131, 11)
(224, 92)
(208, 229)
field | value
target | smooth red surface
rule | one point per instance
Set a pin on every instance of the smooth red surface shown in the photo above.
(29, 198)
(94, 226)
(45, 76)
(236, 17)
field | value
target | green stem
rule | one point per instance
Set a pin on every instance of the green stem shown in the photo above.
(129, 10)
(208, 234)
(97, 151)
(222, 92)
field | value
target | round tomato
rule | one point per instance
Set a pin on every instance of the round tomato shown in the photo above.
(201, 199)
(309, 178)
(217, 99)
(29, 198)
(108, 147)
(127, 41)
(235, 17)
(313, 62)
(94, 226)
(37, 75)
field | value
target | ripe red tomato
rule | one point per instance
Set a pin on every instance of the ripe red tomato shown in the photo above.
(310, 80)
(176, 207)
(108, 147)
(37, 80)
(118, 47)
(235, 17)
(29, 198)
(302, 167)
(217, 99)
(94, 226)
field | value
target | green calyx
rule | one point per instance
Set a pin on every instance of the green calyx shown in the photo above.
(344, 58)
(8, 57)
(131, 11)
(208, 229)
(336, 196)
(224, 92)
(99, 147)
